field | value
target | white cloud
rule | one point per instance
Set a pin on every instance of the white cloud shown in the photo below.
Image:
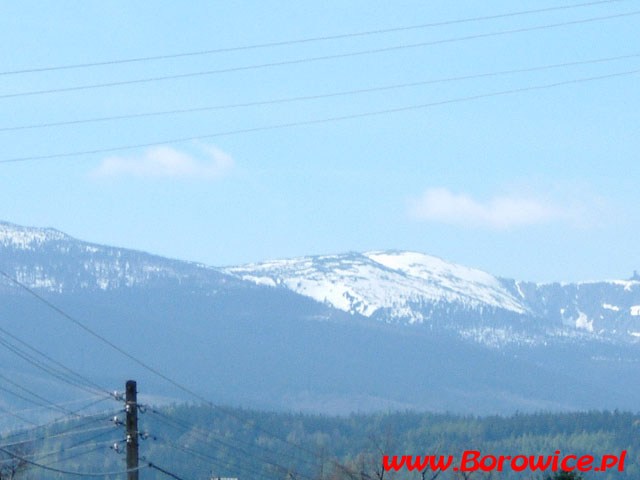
(164, 161)
(500, 212)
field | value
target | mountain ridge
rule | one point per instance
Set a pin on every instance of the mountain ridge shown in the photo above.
(271, 343)
(391, 286)
(549, 309)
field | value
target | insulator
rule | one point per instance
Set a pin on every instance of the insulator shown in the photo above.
(117, 421)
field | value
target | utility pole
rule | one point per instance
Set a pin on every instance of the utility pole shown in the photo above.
(131, 409)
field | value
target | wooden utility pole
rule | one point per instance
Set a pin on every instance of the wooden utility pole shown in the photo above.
(131, 409)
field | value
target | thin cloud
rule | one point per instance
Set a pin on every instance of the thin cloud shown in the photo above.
(500, 212)
(167, 162)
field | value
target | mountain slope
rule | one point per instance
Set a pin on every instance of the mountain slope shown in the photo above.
(48, 259)
(604, 309)
(404, 288)
(388, 282)
(336, 333)
(413, 288)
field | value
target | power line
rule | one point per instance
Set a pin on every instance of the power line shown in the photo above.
(245, 454)
(22, 397)
(93, 403)
(45, 425)
(68, 402)
(210, 460)
(66, 378)
(282, 126)
(80, 444)
(304, 40)
(66, 472)
(319, 96)
(85, 328)
(80, 454)
(242, 460)
(166, 378)
(92, 419)
(63, 449)
(187, 427)
(162, 470)
(46, 403)
(317, 59)
(71, 372)
(69, 431)
(139, 362)
(59, 435)
(39, 456)
(16, 415)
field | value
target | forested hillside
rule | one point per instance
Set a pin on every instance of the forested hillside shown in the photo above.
(196, 442)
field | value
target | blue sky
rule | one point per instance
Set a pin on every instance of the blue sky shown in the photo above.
(539, 185)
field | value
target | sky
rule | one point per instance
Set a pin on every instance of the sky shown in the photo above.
(531, 174)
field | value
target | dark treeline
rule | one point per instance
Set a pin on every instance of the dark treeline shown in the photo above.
(197, 442)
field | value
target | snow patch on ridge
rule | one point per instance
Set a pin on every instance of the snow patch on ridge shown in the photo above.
(27, 238)
(78, 264)
(260, 280)
(393, 282)
(583, 322)
(627, 285)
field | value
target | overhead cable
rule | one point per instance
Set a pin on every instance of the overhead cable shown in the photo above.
(316, 59)
(67, 472)
(305, 40)
(319, 96)
(319, 121)
(162, 470)
(140, 362)
(71, 377)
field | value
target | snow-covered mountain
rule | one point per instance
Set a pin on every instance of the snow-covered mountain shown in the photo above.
(49, 259)
(393, 287)
(414, 288)
(334, 333)
(608, 309)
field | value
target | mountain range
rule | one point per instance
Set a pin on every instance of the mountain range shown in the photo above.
(332, 333)
(413, 288)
